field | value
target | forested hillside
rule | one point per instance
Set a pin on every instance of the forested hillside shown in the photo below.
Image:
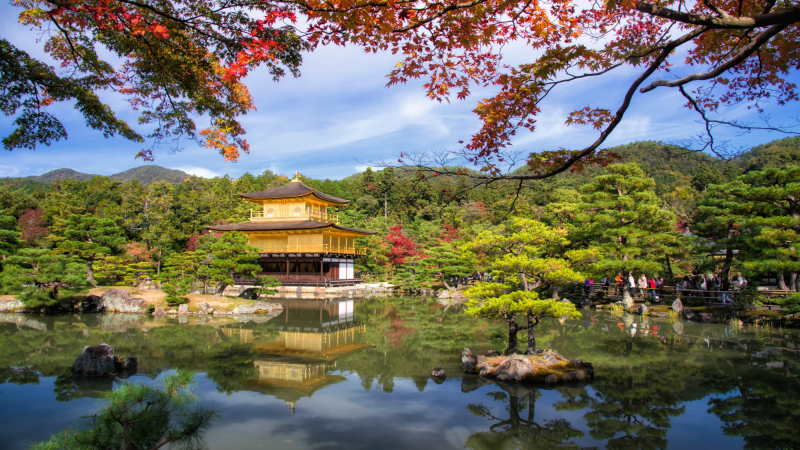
(693, 201)
(144, 174)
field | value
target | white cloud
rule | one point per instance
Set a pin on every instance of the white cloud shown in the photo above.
(199, 171)
(9, 171)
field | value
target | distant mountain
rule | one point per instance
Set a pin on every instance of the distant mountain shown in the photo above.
(145, 175)
(62, 174)
(151, 174)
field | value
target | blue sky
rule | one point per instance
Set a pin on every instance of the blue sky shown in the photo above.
(339, 112)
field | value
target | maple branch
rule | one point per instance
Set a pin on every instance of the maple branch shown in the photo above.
(748, 50)
(786, 15)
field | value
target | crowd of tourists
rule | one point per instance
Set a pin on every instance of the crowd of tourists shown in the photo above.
(710, 286)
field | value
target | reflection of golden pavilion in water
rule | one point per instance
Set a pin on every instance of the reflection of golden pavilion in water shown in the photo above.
(312, 335)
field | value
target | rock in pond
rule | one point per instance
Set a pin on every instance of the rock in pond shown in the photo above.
(244, 309)
(11, 305)
(689, 314)
(627, 302)
(92, 304)
(586, 303)
(438, 372)
(99, 361)
(159, 311)
(262, 306)
(642, 310)
(119, 300)
(677, 306)
(95, 361)
(545, 366)
(183, 309)
(205, 307)
(514, 368)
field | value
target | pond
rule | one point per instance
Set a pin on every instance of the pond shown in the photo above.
(355, 374)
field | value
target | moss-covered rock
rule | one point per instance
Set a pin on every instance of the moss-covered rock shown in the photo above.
(547, 366)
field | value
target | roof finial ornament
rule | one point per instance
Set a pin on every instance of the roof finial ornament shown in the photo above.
(296, 176)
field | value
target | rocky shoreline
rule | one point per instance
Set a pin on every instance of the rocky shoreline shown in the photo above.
(546, 366)
(121, 301)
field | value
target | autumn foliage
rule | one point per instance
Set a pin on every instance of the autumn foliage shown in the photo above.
(401, 246)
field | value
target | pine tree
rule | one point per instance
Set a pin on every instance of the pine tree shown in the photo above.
(137, 416)
(231, 256)
(623, 220)
(42, 279)
(770, 201)
(89, 238)
(447, 261)
(179, 274)
(520, 255)
(9, 236)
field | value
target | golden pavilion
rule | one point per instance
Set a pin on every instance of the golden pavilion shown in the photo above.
(300, 241)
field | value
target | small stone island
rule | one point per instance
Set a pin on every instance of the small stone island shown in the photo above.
(301, 243)
(546, 366)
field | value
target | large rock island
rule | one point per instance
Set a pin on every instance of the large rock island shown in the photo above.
(546, 366)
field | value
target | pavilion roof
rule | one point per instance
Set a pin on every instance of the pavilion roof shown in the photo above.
(293, 189)
(284, 226)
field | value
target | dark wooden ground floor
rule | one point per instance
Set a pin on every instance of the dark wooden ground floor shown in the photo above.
(307, 270)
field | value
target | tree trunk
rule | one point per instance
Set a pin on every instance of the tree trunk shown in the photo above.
(793, 281)
(555, 294)
(220, 289)
(90, 272)
(513, 329)
(626, 288)
(385, 205)
(531, 334)
(781, 282)
(669, 268)
(442, 277)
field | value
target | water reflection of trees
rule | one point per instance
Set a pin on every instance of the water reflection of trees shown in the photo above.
(521, 428)
(644, 379)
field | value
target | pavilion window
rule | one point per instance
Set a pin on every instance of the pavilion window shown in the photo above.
(297, 212)
(270, 212)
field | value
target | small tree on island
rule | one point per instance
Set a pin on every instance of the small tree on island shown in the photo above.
(141, 417)
(42, 279)
(520, 253)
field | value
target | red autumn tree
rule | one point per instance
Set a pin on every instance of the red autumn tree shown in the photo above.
(448, 233)
(33, 226)
(401, 246)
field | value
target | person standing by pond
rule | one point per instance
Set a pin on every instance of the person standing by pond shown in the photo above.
(620, 283)
(726, 287)
(652, 283)
(643, 286)
(632, 284)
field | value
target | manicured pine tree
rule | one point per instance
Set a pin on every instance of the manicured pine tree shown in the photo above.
(719, 220)
(9, 236)
(231, 255)
(520, 254)
(179, 274)
(770, 201)
(89, 238)
(43, 279)
(623, 220)
(446, 261)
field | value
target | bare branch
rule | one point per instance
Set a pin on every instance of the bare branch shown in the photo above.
(748, 50)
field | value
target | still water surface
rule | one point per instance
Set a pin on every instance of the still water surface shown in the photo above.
(343, 374)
